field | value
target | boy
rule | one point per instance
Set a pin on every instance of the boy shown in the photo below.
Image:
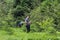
(27, 21)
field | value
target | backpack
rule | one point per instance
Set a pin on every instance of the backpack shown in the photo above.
(20, 23)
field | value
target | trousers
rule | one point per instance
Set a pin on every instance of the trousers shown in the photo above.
(28, 28)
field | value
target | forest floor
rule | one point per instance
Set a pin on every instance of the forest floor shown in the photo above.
(18, 35)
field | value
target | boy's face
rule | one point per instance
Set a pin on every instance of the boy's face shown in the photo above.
(27, 16)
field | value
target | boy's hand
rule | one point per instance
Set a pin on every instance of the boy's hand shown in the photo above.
(30, 22)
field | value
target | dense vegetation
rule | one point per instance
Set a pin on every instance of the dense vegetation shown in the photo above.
(44, 14)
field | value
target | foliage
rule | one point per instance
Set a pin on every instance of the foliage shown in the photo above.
(44, 17)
